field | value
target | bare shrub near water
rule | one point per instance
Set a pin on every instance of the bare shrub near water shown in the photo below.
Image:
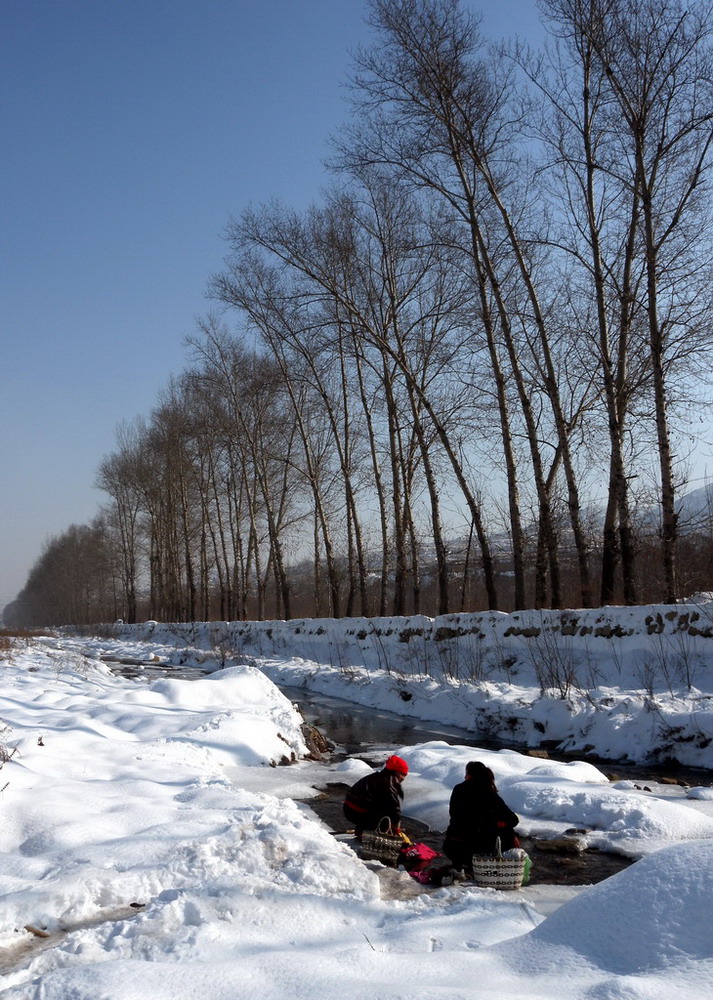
(672, 662)
(339, 657)
(224, 653)
(616, 656)
(688, 662)
(553, 660)
(222, 647)
(448, 652)
(462, 658)
(12, 639)
(380, 649)
(9, 635)
(646, 676)
(6, 752)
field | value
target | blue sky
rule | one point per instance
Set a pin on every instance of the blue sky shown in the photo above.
(131, 130)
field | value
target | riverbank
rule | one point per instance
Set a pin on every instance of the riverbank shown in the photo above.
(335, 730)
(633, 684)
(357, 729)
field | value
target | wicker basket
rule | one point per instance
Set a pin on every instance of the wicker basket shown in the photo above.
(493, 871)
(381, 844)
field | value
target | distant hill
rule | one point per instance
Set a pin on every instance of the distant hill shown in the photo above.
(696, 509)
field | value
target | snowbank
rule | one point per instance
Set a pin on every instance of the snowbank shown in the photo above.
(634, 683)
(653, 916)
(164, 795)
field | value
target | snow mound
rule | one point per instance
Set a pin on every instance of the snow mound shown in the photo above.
(647, 918)
(702, 793)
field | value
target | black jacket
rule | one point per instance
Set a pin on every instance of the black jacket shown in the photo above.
(476, 819)
(372, 797)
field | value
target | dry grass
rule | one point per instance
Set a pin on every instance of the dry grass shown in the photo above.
(23, 633)
(9, 636)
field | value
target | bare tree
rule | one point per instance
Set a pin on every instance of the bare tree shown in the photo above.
(251, 391)
(72, 582)
(116, 478)
(436, 111)
(361, 260)
(651, 61)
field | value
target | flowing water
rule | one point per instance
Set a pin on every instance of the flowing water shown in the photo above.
(359, 730)
(373, 734)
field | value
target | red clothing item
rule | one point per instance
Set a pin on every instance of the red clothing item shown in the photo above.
(397, 764)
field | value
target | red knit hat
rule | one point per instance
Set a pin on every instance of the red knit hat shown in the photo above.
(397, 764)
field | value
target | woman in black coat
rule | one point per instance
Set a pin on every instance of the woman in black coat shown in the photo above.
(477, 817)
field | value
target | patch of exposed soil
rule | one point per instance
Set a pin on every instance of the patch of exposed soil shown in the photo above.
(32, 939)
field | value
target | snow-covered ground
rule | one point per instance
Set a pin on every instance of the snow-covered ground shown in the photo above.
(171, 795)
(628, 683)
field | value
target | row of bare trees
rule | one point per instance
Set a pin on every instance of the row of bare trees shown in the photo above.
(75, 581)
(488, 327)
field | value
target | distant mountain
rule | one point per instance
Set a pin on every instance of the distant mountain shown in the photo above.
(695, 515)
(696, 509)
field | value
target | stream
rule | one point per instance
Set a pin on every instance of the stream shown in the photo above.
(372, 734)
(358, 730)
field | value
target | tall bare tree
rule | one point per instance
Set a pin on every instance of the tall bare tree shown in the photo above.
(435, 110)
(362, 256)
(652, 61)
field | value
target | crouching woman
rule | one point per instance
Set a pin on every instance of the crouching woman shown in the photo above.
(377, 795)
(478, 816)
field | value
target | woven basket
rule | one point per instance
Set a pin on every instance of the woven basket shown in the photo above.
(493, 871)
(381, 844)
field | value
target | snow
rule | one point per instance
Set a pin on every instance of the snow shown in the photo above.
(179, 796)
(634, 683)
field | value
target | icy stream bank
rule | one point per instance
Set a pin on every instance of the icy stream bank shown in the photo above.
(622, 683)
